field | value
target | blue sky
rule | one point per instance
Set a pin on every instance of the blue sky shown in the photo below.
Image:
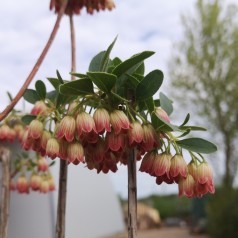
(140, 25)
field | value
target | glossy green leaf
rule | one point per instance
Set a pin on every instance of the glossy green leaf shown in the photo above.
(116, 61)
(27, 119)
(166, 103)
(198, 145)
(31, 96)
(40, 89)
(141, 69)
(79, 75)
(132, 81)
(149, 85)
(77, 87)
(104, 81)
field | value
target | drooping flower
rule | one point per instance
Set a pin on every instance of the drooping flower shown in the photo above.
(35, 182)
(147, 162)
(161, 165)
(75, 151)
(192, 169)
(42, 164)
(44, 186)
(164, 178)
(46, 135)
(7, 133)
(84, 123)
(40, 109)
(51, 183)
(204, 173)
(63, 149)
(150, 139)
(135, 133)
(22, 185)
(36, 128)
(52, 148)
(119, 121)
(178, 166)
(67, 128)
(115, 142)
(187, 186)
(102, 120)
(161, 113)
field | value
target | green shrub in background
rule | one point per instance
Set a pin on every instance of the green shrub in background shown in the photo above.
(223, 214)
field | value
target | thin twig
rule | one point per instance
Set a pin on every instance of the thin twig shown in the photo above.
(62, 195)
(5, 192)
(9, 108)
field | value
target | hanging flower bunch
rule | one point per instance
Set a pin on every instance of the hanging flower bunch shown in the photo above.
(29, 171)
(75, 6)
(98, 118)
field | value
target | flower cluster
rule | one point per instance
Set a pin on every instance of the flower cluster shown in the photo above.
(75, 6)
(99, 118)
(40, 178)
(194, 180)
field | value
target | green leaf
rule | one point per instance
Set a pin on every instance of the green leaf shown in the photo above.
(52, 95)
(186, 120)
(27, 119)
(9, 96)
(193, 128)
(105, 58)
(55, 82)
(116, 61)
(166, 103)
(77, 87)
(198, 145)
(78, 75)
(96, 62)
(150, 104)
(141, 69)
(126, 65)
(160, 124)
(31, 96)
(149, 85)
(104, 81)
(133, 81)
(59, 77)
(40, 89)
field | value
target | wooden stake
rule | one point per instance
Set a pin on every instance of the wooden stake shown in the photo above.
(5, 192)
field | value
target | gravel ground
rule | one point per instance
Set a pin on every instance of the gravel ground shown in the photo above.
(164, 233)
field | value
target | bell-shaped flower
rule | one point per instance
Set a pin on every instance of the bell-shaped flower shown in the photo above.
(161, 165)
(84, 123)
(204, 173)
(22, 185)
(187, 186)
(102, 120)
(36, 128)
(75, 151)
(35, 182)
(44, 186)
(40, 108)
(119, 121)
(115, 142)
(66, 128)
(52, 148)
(42, 164)
(147, 162)
(178, 166)
(161, 113)
(135, 133)
(150, 138)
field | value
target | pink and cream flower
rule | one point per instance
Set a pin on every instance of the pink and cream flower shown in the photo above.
(36, 128)
(75, 152)
(150, 138)
(178, 167)
(161, 113)
(22, 185)
(147, 162)
(161, 165)
(66, 128)
(40, 109)
(102, 120)
(115, 142)
(187, 186)
(52, 148)
(119, 121)
(84, 123)
(135, 133)
(42, 164)
(35, 182)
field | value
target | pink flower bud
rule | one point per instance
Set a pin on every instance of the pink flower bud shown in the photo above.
(67, 128)
(162, 114)
(119, 121)
(40, 109)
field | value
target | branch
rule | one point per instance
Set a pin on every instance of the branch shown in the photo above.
(62, 195)
(9, 108)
